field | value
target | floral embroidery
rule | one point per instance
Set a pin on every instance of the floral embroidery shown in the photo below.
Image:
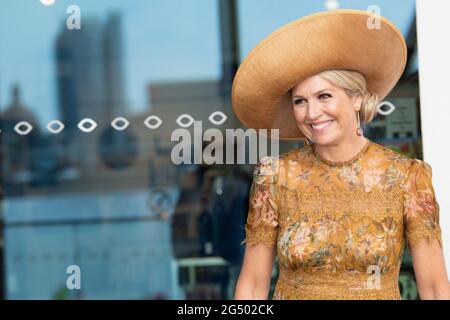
(391, 176)
(263, 206)
(332, 225)
(421, 206)
(350, 175)
(372, 178)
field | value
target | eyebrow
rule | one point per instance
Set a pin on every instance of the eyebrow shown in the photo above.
(315, 94)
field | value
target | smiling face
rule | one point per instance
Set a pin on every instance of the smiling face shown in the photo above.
(324, 112)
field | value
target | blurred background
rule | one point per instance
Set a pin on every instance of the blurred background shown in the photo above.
(111, 201)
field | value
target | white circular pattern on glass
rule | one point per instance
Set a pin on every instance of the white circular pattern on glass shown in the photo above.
(185, 124)
(20, 124)
(59, 124)
(387, 111)
(120, 123)
(153, 126)
(91, 128)
(216, 114)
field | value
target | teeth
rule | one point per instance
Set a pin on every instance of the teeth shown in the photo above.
(322, 125)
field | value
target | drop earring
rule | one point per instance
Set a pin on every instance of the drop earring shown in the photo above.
(359, 131)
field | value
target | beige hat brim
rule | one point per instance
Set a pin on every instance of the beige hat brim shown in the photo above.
(337, 39)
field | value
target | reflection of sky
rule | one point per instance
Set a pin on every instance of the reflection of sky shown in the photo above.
(164, 40)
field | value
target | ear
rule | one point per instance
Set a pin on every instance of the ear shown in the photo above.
(357, 102)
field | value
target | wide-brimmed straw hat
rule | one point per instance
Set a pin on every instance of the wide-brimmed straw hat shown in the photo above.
(338, 39)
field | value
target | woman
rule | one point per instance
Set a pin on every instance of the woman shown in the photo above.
(339, 212)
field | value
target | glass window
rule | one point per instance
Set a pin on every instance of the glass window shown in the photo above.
(93, 205)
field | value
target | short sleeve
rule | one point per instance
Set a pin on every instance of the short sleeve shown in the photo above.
(262, 219)
(421, 213)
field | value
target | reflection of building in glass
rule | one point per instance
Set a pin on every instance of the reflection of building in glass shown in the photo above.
(17, 150)
(113, 63)
(90, 80)
(197, 98)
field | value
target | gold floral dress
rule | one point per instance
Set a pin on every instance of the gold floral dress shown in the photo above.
(340, 228)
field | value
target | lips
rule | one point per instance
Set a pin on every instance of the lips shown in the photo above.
(321, 127)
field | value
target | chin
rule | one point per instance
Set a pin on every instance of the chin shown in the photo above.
(323, 140)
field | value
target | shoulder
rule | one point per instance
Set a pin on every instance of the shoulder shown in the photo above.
(411, 168)
(389, 153)
(393, 158)
(419, 167)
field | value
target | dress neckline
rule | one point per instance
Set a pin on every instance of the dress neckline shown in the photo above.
(341, 163)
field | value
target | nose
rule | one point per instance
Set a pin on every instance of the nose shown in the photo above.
(313, 110)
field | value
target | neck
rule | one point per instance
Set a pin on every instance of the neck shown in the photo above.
(343, 151)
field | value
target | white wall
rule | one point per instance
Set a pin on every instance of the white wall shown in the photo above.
(433, 33)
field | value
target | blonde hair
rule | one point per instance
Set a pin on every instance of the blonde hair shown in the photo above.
(354, 84)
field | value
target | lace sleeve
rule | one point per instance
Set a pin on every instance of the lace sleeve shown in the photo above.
(262, 218)
(421, 207)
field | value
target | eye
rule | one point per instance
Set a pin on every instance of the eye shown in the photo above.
(299, 101)
(324, 96)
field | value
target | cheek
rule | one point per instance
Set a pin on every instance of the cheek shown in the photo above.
(299, 114)
(333, 110)
(340, 113)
